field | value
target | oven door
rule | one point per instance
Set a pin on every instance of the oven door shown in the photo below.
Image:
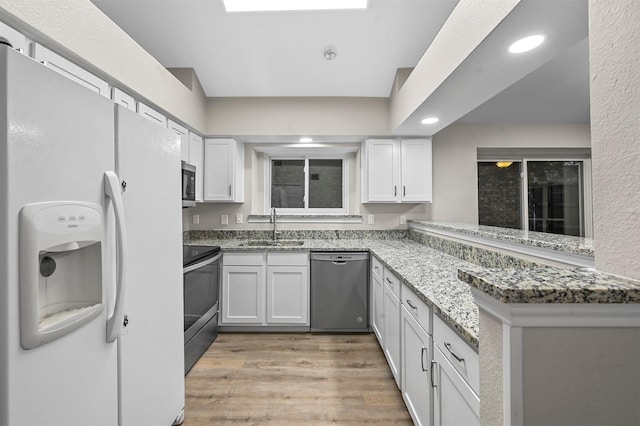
(201, 289)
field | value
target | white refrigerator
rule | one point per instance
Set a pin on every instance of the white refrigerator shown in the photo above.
(79, 259)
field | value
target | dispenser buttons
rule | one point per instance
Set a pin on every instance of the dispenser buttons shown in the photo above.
(62, 219)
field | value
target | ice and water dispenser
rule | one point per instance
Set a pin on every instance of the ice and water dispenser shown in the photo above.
(61, 276)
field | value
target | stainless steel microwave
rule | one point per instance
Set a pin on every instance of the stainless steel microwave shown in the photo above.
(188, 185)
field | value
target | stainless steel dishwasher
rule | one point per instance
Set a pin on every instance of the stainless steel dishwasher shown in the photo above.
(339, 292)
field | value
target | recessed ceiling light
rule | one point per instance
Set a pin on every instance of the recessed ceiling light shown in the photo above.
(430, 120)
(526, 44)
(306, 140)
(282, 5)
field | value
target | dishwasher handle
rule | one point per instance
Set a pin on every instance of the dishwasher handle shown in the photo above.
(339, 262)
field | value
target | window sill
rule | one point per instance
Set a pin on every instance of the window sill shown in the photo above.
(311, 218)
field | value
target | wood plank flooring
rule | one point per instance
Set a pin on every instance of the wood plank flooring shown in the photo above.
(293, 379)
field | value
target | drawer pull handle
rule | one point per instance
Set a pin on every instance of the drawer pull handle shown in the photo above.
(448, 346)
(414, 307)
(434, 366)
(422, 352)
(390, 282)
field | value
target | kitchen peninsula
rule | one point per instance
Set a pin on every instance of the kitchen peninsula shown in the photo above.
(531, 306)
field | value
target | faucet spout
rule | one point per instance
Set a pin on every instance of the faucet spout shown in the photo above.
(274, 221)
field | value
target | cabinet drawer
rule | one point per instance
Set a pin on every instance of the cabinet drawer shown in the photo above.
(392, 282)
(243, 259)
(376, 267)
(287, 259)
(463, 358)
(418, 309)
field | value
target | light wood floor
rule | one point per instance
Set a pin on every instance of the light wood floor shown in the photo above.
(293, 379)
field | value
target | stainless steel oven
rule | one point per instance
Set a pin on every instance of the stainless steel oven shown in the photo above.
(201, 268)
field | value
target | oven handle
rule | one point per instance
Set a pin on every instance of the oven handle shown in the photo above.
(201, 264)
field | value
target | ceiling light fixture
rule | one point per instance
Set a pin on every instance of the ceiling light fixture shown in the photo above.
(306, 140)
(330, 53)
(284, 5)
(526, 44)
(430, 120)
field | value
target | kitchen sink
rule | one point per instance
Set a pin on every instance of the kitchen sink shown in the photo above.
(272, 243)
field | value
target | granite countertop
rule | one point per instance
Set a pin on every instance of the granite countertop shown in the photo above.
(551, 285)
(562, 243)
(431, 274)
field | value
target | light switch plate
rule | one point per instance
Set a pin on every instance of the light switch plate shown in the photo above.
(403, 220)
(371, 219)
(224, 219)
(239, 218)
(196, 219)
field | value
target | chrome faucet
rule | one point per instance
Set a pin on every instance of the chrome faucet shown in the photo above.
(274, 221)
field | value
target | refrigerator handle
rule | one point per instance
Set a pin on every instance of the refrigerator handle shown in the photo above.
(112, 191)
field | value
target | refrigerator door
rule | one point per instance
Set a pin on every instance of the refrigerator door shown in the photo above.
(151, 357)
(56, 141)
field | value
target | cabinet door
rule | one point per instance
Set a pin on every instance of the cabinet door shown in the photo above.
(416, 365)
(454, 402)
(196, 157)
(70, 70)
(382, 170)
(416, 170)
(184, 138)
(124, 99)
(391, 306)
(287, 295)
(377, 314)
(243, 295)
(152, 115)
(219, 169)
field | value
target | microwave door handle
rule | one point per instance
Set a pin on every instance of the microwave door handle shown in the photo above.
(118, 319)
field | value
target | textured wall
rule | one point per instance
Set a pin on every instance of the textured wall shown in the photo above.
(615, 130)
(491, 400)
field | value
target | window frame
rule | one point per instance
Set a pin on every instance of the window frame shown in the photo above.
(306, 157)
(586, 213)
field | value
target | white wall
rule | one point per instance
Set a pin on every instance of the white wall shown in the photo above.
(615, 128)
(83, 34)
(298, 116)
(455, 180)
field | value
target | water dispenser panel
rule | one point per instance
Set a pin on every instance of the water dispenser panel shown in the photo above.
(61, 275)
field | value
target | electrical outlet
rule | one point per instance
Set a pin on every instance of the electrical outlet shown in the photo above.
(371, 219)
(239, 218)
(403, 220)
(196, 219)
(224, 219)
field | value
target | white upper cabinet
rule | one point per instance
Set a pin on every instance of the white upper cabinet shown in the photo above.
(223, 170)
(184, 138)
(124, 99)
(70, 70)
(196, 158)
(151, 114)
(415, 167)
(396, 171)
(17, 40)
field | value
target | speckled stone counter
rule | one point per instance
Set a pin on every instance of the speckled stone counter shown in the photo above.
(431, 274)
(561, 243)
(551, 285)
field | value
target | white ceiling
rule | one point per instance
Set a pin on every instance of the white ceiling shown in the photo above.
(281, 54)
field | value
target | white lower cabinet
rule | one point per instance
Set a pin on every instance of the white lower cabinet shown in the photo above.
(287, 295)
(391, 312)
(243, 288)
(265, 289)
(377, 298)
(455, 379)
(416, 368)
